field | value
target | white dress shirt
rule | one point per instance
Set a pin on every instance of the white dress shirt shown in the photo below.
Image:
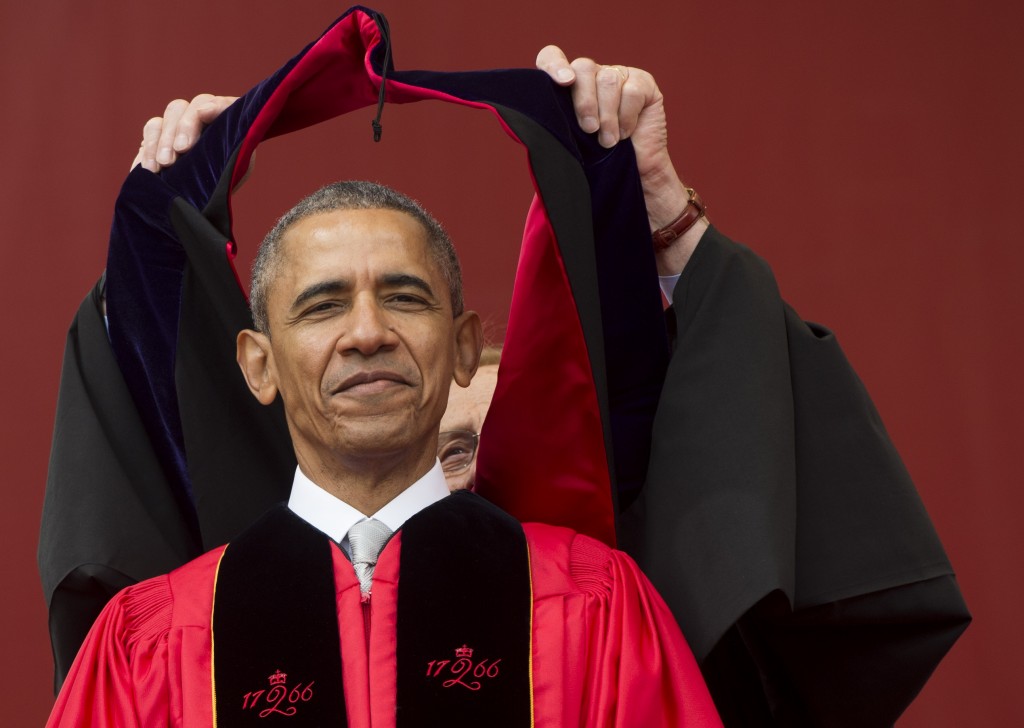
(668, 285)
(335, 517)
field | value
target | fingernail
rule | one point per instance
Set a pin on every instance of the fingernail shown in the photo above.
(181, 141)
(608, 139)
(565, 74)
(589, 124)
(163, 156)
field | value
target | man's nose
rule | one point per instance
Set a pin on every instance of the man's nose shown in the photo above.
(368, 328)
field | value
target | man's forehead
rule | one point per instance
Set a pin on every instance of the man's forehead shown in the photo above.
(356, 226)
(351, 241)
(339, 250)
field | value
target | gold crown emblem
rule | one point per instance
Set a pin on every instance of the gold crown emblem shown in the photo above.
(464, 651)
(278, 678)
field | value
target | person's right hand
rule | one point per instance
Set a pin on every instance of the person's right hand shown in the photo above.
(165, 137)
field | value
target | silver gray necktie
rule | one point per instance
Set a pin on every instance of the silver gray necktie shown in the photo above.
(365, 539)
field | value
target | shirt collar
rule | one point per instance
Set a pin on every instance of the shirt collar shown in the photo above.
(335, 517)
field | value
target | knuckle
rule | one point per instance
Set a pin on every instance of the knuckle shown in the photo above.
(583, 65)
(176, 105)
(633, 93)
(586, 104)
(644, 81)
(549, 55)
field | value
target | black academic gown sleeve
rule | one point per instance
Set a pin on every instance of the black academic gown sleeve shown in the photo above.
(777, 518)
(103, 469)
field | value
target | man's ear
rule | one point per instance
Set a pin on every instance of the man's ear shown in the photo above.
(469, 342)
(256, 360)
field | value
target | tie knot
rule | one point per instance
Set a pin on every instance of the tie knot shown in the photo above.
(366, 538)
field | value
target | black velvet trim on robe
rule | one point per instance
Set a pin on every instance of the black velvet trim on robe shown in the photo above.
(464, 616)
(275, 637)
(464, 622)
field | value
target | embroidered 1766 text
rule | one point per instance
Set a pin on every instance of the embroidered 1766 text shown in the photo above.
(279, 699)
(463, 670)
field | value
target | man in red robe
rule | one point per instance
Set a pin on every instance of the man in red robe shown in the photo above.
(698, 465)
(360, 330)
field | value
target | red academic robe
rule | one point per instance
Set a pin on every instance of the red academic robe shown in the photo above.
(606, 650)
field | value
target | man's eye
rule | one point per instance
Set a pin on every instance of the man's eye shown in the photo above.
(406, 299)
(323, 306)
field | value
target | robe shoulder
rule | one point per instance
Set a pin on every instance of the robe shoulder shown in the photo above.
(124, 672)
(191, 587)
(566, 562)
(182, 598)
(595, 609)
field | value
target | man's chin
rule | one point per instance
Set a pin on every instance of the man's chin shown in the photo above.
(376, 436)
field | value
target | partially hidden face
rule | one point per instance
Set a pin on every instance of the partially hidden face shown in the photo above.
(363, 346)
(467, 408)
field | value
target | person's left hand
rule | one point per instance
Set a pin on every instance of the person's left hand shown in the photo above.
(618, 102)
(623, 102)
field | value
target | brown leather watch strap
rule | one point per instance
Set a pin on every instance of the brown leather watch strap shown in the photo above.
(693, 212)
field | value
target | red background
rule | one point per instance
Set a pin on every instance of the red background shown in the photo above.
(870, 151)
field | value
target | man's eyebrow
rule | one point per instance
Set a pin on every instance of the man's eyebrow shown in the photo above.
(319, 289)
(402, 280)
(334, 287)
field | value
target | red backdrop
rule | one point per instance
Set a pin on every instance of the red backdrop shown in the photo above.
(871, 151)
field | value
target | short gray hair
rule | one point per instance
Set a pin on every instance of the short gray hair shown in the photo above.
(350, 195)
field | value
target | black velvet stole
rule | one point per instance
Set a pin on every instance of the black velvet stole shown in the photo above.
(464, 622)
(465, 612)
(275, 628)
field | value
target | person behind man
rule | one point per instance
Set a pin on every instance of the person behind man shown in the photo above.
(465, 617)
(463, 421)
